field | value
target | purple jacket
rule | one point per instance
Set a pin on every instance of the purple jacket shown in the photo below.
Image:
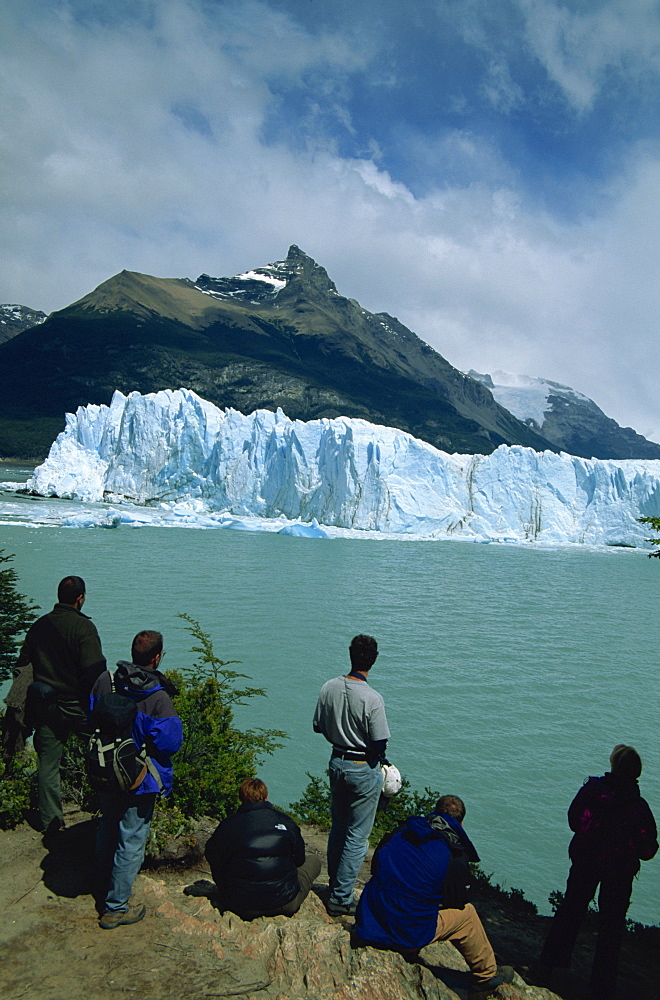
(612, 823)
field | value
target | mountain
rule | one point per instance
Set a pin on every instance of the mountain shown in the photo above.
(568, 419)
(280, 335)
(14, 319)
(198, 465)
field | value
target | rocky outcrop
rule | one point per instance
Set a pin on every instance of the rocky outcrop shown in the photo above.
(312, 956)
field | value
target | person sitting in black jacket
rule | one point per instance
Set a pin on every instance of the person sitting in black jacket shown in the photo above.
(257, 858)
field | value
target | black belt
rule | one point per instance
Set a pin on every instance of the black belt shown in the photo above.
(351, 755)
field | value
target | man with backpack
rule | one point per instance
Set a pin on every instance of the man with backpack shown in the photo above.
(418, 893)
(127, 809)
(64, 649)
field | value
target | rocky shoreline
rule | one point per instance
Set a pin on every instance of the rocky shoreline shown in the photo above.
(52, 944)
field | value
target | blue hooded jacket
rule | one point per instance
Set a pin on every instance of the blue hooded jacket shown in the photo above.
(157, 726)
(400, 902)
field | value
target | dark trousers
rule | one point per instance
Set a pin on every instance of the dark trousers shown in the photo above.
(54, 723)
(613, 901)
(308, 871)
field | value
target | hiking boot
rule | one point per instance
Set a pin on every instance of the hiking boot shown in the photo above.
(341, 909)
(202, 887)
(113, 918)
(483, 989)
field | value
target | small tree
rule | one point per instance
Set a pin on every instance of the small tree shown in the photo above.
(215, 756)
(655, 525)
(16, 615)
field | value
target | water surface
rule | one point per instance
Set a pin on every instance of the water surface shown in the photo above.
(508, 672)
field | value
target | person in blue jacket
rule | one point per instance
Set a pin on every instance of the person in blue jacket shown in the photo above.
(126, 816)
(418, 893)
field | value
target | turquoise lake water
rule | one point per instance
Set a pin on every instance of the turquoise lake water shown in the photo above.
(508, 673)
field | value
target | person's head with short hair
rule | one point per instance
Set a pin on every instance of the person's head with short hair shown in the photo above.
(625, 762)
(363, 651)
(253, 790)
(146, 646)
(451, 805)
(71, 590)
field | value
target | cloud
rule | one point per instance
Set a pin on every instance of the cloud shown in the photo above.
(179, 137)
(578, 49)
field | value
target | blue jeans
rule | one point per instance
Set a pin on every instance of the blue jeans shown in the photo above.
(121, 842)
(356, 789)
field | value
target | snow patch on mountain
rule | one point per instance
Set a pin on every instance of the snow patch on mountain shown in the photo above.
(528, 398)
(257, 276)
(173, 446)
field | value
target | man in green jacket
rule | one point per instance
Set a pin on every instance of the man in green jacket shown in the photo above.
(65, 651)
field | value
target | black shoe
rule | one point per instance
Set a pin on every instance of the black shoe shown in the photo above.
(483, 989)
(202, 887)
(341, 909)
(52, 832)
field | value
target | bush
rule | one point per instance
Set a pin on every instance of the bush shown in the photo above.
(16, 615)
(16, 783)
(655, 526)
(167, 824)
(215, 756)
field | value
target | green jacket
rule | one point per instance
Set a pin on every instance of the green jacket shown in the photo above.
(65, 651)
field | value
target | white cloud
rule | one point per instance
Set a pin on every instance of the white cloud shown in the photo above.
(141, 146)
(578, 49)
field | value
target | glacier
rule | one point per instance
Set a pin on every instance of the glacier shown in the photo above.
(174, 450)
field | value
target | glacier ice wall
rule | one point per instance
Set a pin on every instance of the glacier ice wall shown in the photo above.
(173, 445)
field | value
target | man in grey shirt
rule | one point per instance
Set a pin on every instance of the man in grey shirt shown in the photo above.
(351, 716)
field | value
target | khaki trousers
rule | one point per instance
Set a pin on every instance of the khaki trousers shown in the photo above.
(466, 932)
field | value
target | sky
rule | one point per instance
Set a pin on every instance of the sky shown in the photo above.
(487, 171)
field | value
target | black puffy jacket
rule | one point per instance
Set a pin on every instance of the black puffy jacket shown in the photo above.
(254, 855)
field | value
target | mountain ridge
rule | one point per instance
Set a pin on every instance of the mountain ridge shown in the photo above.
(279, 335)
(567, 418)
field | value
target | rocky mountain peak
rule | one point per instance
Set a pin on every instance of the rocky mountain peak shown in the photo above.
(297, 274)
(16, 318)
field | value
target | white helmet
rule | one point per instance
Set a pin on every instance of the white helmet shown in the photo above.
(391, 780)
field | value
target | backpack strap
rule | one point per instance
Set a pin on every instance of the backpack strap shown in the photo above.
(151, 767)
(155, 773)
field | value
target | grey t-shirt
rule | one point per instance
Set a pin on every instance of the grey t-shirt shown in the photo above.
(350, 714)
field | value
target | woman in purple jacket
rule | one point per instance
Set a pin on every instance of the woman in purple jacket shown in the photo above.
(614, 830)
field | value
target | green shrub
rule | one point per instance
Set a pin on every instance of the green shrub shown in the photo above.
(313, 807)
(167, 824)
(16, 615)
(16, 784)
(215, 756)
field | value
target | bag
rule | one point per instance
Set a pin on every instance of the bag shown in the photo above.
(113, 761)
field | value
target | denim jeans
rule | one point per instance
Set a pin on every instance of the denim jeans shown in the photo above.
(356, 789)
(121, 842)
